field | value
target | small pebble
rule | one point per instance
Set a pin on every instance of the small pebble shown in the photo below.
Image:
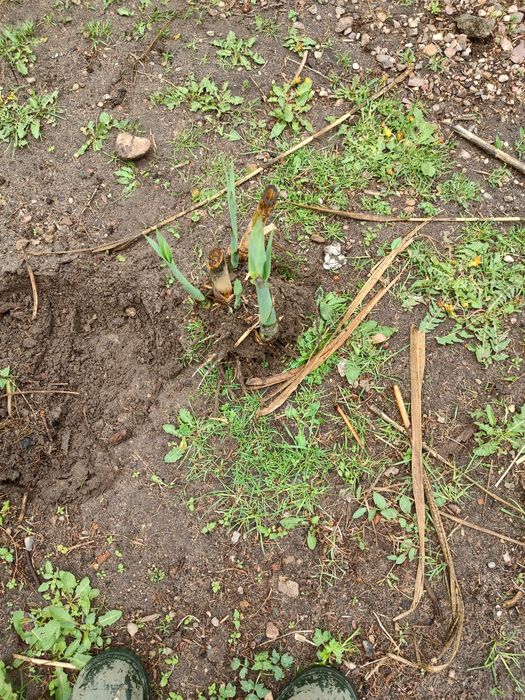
(491, 564)
(508, 259)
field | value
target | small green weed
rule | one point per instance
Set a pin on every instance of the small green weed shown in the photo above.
(127, 177)
(156, 575)
(499, 177)
(197, 341)
(67, 628)
(292, 102)
(17, 45)
(233, 52)
(6, 505)
(497, 434)
(357, 91)
(519, 144)
(7, 385)
(332, 650)
(98, 33)
(298, 43)
(264, 665)
(22, 119)
(171, 660)
(187, 142)
(251, 677)
(235, 634)
(6, 689)
(503, 657)
(204, 96)
(459, 188)
(473, 286)
(434, 7)
(147, 21)
(98, 132)
(401, 514)
(266, 25)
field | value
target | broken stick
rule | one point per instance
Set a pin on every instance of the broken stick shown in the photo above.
(489, 148)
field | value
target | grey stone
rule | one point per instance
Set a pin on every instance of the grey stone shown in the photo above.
(476, 27)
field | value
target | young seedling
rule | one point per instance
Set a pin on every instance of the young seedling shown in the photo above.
(237, 293)
(17, 45)
(259, 268)
(163, 250)
(232, 208)
(262, 213)
(220, 277)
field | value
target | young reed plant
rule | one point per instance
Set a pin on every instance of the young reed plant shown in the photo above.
(163, 250)
(259, 268)
(232, 208)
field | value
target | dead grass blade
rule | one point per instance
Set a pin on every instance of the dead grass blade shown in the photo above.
(432, 452)
(453, 640)
(128, 240)
(329, 349)
(34, 290)
(364, 216)
(417, 371)
(341, 334)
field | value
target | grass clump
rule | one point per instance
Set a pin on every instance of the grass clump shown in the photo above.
(98, 33)
(22, 119)
(390, 145)
(17, 45)
(272, 479)
(459, 188)
(396, 146)
(505, 659)
(472, 286)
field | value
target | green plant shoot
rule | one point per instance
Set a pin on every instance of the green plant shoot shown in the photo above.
(259, 268)
(163, 250)
(232, 208)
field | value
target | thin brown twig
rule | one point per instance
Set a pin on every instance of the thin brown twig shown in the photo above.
(40, 391)
(128, 240)
(401, 407)
(485, 530)
(23, 507)
(246, 333)
(363, 216)
(301, 66)
(349, 425)
(45, 662)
